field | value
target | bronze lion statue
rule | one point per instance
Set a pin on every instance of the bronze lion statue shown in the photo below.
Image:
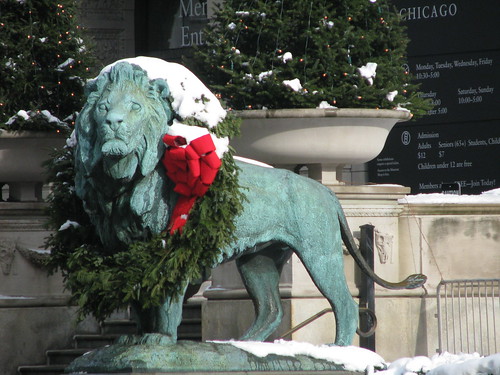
(129, 198)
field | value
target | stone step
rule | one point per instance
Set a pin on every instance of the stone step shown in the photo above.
(64, 356)
(57, 360)
(41, 370)
(189, 327)
(191, 311)
(119, 326)
(94, 341)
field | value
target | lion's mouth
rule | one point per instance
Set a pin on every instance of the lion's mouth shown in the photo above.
(115, 147)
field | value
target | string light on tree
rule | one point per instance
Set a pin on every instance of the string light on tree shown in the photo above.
(36, 37)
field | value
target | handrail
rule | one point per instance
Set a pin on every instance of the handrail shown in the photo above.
(327, 310)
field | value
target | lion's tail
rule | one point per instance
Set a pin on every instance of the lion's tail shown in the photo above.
(411, 282)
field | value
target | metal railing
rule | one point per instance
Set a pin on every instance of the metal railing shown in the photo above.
(469, 316)
(362, 310)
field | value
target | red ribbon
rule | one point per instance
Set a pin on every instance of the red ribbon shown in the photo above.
(193, 169)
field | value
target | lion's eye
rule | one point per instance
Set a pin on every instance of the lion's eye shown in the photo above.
(136, 106)
(102, 107)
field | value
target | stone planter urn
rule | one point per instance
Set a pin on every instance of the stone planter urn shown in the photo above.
(324, 139)
(21, 156)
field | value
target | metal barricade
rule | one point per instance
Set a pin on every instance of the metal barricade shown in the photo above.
(469, 316)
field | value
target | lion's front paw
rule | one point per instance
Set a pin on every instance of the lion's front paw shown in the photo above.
(128, 340)
(156, 339)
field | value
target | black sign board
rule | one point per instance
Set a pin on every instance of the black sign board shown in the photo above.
(444, 26)
(425, 157)
(462, 86)
(455, 55)
(168, 29)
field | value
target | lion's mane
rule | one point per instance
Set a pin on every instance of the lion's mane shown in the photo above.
(136, 205)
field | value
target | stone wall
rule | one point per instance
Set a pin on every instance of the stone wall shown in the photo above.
(110, 23)
(33, 306)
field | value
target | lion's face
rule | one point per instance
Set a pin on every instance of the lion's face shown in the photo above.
(120, 116)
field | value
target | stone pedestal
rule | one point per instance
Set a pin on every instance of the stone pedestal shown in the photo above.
(186, 357)
(34, 308)
(228, 312)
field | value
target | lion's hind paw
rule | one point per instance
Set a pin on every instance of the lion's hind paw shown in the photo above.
(156, 339)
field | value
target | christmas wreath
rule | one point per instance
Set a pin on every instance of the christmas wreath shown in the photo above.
(146, 272)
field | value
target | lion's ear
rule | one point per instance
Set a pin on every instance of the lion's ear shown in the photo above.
(163, 90)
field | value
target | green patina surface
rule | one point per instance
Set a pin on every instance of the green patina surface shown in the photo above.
(193, 357)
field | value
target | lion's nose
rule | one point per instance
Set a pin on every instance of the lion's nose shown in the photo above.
(114, 120)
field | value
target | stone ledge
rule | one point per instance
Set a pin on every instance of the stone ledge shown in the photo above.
(22, 208)
(34, 301)
(412, 209)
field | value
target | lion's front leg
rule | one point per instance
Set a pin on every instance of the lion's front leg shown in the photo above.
(158, 325)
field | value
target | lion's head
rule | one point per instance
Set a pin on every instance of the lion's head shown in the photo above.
(123, 121)
(119, 144)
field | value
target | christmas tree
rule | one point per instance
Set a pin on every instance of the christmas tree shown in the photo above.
(44, 63)
(300, 53)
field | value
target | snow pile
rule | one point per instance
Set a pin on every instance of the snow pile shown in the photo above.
(26, 115)
(287, 56)
(250, 161)
(66, 63)
(368, 72)
(325, 104)
(444, 364)
(263, 75)
(487, 197)
(351, 357)
(15, 297)
(190, 97)
(363, 360)
(391, 95)
(68, 224)
(294, 84)
(190, 133)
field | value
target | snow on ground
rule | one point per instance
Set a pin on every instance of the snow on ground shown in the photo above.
(363, 360)
(487, 197)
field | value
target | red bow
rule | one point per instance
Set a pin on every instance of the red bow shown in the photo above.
(193, 169)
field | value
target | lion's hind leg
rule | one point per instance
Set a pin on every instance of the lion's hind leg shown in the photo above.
(325, 265)
(260, 273)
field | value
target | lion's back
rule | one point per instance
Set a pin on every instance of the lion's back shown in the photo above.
(278, 201)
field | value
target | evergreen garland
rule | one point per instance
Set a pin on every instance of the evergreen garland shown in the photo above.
(252, 47)
(148, 271)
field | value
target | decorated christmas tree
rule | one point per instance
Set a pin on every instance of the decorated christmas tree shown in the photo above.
(303, 53)
(44, 63)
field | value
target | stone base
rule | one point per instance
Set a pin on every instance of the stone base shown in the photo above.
(334, 372)
(196, 358)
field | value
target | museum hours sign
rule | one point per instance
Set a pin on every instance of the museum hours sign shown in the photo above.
(454, 54)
